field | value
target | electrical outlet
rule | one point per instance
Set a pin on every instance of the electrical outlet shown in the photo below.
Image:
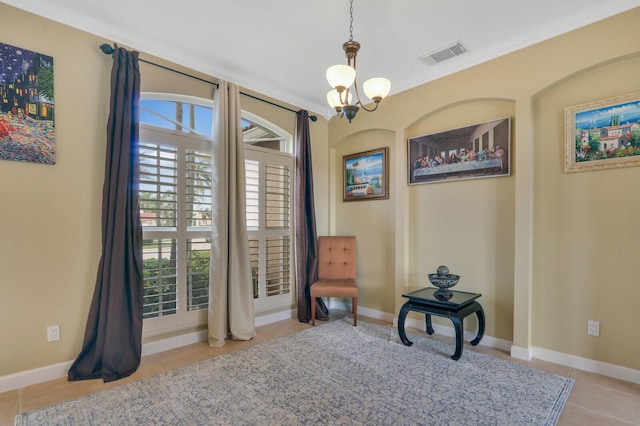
(53, 333)
(593, 328)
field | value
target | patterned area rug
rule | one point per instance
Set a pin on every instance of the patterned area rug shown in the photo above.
(333, 374)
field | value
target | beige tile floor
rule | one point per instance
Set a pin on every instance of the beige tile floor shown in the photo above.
(594, 400)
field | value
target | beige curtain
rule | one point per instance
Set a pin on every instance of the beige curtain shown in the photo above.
(230, 289)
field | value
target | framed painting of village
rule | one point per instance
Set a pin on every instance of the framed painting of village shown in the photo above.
(474, 151)
(365, 175)
(603, 134)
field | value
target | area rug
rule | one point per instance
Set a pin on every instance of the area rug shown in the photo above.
(332, 374)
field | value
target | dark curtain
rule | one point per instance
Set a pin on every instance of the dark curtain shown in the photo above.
(305, 224)
(113, 337)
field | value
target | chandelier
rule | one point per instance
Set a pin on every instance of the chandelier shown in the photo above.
(342, 77)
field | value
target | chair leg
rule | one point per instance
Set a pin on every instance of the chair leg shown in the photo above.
(313, 311)
(355, 311)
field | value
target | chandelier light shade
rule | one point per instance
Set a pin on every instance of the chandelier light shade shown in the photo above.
(377, 88)
(342, 77)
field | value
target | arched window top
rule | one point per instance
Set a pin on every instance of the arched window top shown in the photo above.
(190, 114)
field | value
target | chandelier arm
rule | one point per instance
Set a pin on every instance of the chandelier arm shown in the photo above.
(357, 100)
(344, 101)
(367, 109)
(355, 84)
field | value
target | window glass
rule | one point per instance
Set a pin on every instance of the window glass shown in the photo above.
(182, 116)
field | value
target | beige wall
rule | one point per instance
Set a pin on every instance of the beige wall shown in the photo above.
(50, 215)
(585, 262)
(372, 223)
(545, 254)
(547, 250)
(466, 225)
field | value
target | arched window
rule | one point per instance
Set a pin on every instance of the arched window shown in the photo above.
(175, 208)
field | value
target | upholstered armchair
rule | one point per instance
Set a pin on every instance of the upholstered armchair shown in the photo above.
(336, 272)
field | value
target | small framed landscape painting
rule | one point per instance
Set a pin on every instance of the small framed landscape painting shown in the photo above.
(474, 151)
(365, 175)
(603, 134)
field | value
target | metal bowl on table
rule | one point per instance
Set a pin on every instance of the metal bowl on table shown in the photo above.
(444, 281)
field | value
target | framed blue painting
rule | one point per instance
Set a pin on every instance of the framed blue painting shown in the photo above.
(603, 134)
(366, 175)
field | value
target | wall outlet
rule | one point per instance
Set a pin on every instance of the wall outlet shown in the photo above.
(593, 328)
(53, 333)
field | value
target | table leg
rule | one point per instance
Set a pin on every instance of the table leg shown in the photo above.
(401, 318)
(457, 325)
(481, 323)
(429, 328)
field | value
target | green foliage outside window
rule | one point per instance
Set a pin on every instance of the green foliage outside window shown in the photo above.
(160, 285)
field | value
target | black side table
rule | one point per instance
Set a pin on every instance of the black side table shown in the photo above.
(458, 306)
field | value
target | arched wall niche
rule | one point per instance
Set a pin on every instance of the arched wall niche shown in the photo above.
(587, 240)
(468, 225)
(371, 221)
(356, 137)
(461, 114)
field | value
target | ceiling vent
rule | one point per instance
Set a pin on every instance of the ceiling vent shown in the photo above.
(443, 53)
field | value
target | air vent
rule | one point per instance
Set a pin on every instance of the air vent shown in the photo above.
(443, 53)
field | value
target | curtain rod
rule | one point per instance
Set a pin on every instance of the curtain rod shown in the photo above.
(108, 50)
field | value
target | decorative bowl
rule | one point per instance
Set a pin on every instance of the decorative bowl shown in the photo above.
(444, 281)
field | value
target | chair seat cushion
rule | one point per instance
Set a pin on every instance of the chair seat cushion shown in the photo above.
(334, 288)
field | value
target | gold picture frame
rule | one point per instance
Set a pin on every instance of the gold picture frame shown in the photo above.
(365, 175)
(603, 134)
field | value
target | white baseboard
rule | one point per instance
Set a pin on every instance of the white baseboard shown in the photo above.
(275, 317)
(32, 377)
(371, 313)
(56, 371)
(521, 353)
(201, 336)
(597, 367)
(490, 341)
(585, 364)
(174, 342)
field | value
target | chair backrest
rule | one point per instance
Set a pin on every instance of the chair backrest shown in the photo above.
(337, 258)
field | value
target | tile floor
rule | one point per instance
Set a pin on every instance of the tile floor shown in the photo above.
(594, 400)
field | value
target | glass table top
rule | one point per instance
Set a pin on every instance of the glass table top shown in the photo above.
(458, 298)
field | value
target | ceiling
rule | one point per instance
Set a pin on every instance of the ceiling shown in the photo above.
(281, 48)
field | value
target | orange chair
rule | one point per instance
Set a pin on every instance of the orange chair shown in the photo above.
(336, 272)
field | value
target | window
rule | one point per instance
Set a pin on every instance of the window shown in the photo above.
(175, 210)
(269, 228)
(269, 186)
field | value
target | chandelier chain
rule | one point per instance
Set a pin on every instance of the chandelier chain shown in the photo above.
(351, 22)
(345, 85)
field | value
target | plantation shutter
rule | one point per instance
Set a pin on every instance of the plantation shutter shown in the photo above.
(198, 217)
(175, 211)
(268, 188)
(158, 210)
(277, 211)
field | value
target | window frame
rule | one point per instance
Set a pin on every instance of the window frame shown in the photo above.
(183, 142)
(264, 302)
(184, 319)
